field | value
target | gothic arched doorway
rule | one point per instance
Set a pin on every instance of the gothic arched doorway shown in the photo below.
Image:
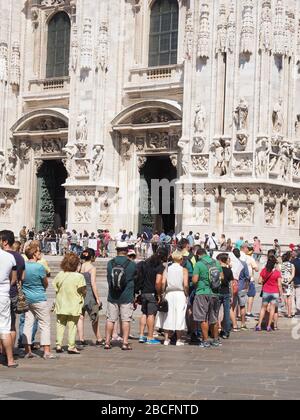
(51, 207)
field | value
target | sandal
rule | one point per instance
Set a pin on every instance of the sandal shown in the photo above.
(49, 356)
(14, 366)
(73, 351)
(100, 343)
(107, 347)
(59, 350)
(126, 347)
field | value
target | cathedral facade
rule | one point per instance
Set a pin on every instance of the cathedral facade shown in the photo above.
(172, 114)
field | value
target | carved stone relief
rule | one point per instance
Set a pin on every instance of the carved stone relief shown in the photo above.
(15, 65)
(83, 212)
(293, 217)
(200, 164)
(189, 36)
(221, 150)
(3, 62)
(102, 47)
(243, 214)
(247, 34)
(97, 162)
(201, 215)
(87, 46)
(270, 214)
(204, 33)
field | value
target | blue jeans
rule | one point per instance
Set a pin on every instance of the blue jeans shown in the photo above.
(225, 301)
(21, 329)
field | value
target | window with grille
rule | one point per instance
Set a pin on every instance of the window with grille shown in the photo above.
(163, 43)
(58, 48)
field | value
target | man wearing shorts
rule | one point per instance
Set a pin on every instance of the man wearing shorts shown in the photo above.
(120, 304)
(8, 277)
(207, 303)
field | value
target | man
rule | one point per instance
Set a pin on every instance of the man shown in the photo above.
(150, 285)
(239, 243)
(296, 263)
(207, 304)
(244, 284)
(118, 237)
(74, 241)
(257, 251)
(212, 244)
(190, 238)
(23, 237)
(252, 268)
(223, 243)
(8, 239)
(121, 275)
(8, 277)
(277, 248)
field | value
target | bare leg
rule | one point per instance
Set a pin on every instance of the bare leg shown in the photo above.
(204, 329)
(109, 331)
(97, 331)
(262, 315)
(143, 323)
(250, 305)
(80, 328)
(243, 316)
(126, 332)
(150, 325)
(272, 315)
(8, 349)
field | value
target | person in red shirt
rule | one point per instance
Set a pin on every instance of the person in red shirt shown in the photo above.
(271, 281)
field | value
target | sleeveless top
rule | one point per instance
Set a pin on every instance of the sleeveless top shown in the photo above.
(89, 298)
(175, 278)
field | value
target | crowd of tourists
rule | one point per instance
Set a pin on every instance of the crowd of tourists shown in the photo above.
(189, 291)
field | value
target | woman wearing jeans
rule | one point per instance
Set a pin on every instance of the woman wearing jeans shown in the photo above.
(271, 280)
(226, 295)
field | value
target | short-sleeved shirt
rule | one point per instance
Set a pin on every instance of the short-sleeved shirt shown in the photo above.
(33, 286)
(228, 277)
(127, 296)
(150, 272)
(7, 264)
(69, 299)
(271, 281)
(20, 265)
(201, 270)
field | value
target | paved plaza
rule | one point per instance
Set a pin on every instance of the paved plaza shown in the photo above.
(249, 366)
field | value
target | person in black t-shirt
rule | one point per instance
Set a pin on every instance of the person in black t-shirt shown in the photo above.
(225, 293)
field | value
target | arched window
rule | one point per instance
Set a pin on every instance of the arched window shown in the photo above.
(163, 43)
(58, 48)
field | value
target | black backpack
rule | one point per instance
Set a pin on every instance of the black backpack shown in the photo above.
(118, 277)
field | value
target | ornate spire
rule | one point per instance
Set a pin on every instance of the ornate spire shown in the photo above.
(204, 33)
(247, 35)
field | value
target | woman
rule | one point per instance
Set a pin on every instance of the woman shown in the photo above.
(288, 274)
(271, 279)
(176, 284)
(155, 242)
(64, 243)
(70, 289)
(34, 288)
(229, 246)
(92, 301)
(226, 293)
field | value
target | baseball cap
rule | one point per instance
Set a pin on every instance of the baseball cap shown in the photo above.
(131, 253)
(122, 245)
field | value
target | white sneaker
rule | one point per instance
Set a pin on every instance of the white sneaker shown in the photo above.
(167, 342)
(179, 343)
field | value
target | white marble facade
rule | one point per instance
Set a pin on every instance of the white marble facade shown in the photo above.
(227, 114)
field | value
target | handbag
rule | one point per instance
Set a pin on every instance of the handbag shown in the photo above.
(163, 306)
(22, 304)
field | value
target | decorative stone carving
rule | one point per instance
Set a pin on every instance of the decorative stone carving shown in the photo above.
(241, 115)
(97, 161)
(87, 46)
(24, 149)
(82, 129)
(279, 30)
(140, 143)
(296, 168)
(222, 30)
(142, 160)
(11, 166)
(290, 30)
(265, 38)
(201, 215)
(270, 214)
(204, 33)
(221, 149)
(231, 29)
(38, 164)
(263, 149)
(243, 213)
(102, 47)
(174, 160)
(200, 119)
(285, 161)
(46, 124)
(159, 141)
(247, 34)
(74, 48)
(297, 127)
(82, 168)
(189, 36)
(53, 146)
(153, 117)
(15, 72)
(293, 217)
(199, 144)
(243, 165)
(53, 3)
(70, 151)
(200, 163)
(125, 147)
(3, 62)
(2, 165)
(277, 117)
(83, 212)
(184, 145)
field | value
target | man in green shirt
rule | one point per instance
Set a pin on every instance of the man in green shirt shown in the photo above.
(206, 304)
(120, 302)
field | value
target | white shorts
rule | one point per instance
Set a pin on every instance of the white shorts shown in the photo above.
(5, 317)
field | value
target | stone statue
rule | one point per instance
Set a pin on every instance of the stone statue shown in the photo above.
(277, 117)
(82, 130)
(2, 165)
(200, 119)
(284, 161)
(241, 115)
(174, 160)
(98, 155)
(297, 127)
(199, 143)
(262, 155)
(221, 150)
(10, 171)
(70, 152)
(185, 161)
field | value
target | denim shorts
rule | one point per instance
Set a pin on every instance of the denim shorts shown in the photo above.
(252, 290)
(272, 298)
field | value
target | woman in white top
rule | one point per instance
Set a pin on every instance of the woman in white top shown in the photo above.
(176, 285)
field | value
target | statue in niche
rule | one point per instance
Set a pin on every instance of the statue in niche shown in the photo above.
(297, 127)
(285, 160)
(2, 165)
(277, 117)
(199, 143)
(97, 161)
(10, 171)
(241, 115)
(263, 150)
(200, 119)
(82, 130)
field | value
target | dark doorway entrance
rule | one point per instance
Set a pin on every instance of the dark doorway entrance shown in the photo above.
(51, 201)
(161, 206)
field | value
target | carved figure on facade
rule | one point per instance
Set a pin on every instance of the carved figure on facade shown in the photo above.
(174, 160)
(221, 150)
(200, 119)
(83, 213)
(244, 214)
(189, 36)
(102, 48)
(82, 129)
(97, 161)
(142, 160)
(125, 147)
(15, 67)
(3, 62)
(52, 146)
(47, 124)
(2, 165)
(74, 48)
(159, 141)
(263, 149)
(154, 117)
(270, 213)
(296, 168)
(241, 115)
(279, 29)
(70, 151)
(200, 163)
(140, 143)
(24, 149)
(285, 161)
(293, 216)
(243, 165)
(277, 117)
(82, 168)
(87, 46)
(266, 27)
(11, 166)
(185, 156)
(201, 215)
(204, 33)
(222, 30)
(297, 127)
(199, 144)
(247, 34)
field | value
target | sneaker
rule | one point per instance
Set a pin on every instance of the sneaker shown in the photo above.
(153, 342)
(142, 339)
(216, 344)
(205, 345)
(244, 328)
(250, 316)
(179, 343)
(167, 342)
(194, 338)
